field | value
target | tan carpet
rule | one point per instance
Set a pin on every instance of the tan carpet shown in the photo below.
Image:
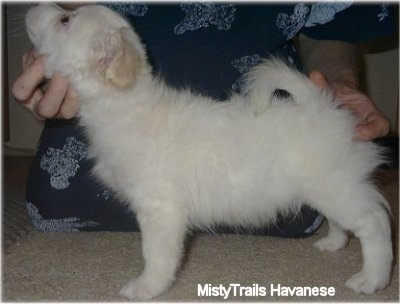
(94, 266)
(15, 221)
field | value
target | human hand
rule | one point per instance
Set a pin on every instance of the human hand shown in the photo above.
(44, 98)
(372, 123)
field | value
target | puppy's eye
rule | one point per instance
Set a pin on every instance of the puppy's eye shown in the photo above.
(65, 20)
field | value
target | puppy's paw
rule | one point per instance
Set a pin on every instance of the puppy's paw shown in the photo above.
(331, 243)
(141, 289)
(367, 283)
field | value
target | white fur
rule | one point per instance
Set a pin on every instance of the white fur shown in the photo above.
(181, 160)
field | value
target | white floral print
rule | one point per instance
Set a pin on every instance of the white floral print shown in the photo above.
(62, 164)
(384, 13)
(323, 12)
(243, 65)
(130, 9)
(199, 15)
(70, 224)
(291, 25)
(316, 224)
(104, 194)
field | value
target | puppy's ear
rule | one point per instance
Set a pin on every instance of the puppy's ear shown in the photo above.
(118, 61)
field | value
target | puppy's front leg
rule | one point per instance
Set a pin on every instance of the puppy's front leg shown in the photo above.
(163, 230)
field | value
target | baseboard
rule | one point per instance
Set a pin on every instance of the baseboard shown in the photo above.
(11, 151)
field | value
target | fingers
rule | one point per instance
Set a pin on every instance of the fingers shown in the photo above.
(319, 80)
(375, 126)
(50, 104)
(32, 104)
(70, 106)
(372, 124)
(53, 99)
(26, 84)
(28, 57)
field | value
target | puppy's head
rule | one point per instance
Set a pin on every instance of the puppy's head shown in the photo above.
(92, 45)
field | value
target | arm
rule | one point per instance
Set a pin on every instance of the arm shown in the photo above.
(335, 64)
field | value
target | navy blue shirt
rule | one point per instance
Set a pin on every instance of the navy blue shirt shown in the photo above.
(209, 46)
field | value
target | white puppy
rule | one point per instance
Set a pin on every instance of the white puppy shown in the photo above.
(181, 160)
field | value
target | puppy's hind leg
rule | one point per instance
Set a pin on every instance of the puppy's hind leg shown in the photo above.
(359, 209)
(163, 230)
(336, 239)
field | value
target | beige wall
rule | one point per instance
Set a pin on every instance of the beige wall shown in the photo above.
(24, 128)
(382, 80)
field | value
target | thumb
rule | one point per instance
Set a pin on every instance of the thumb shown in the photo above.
(319, 80)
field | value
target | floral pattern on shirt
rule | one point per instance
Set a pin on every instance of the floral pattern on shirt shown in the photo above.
(324, 12)
(62, 164)
(243, 65)
(384, 13)
(200, 15)
(129, 9)
(291, 25)
(70, 224)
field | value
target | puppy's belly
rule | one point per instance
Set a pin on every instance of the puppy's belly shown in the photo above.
(208, 195)
(253, 202)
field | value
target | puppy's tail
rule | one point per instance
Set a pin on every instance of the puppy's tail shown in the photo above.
(274, 75)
